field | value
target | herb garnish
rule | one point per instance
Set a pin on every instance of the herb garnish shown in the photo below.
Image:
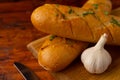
(95, 6)
(70, 11)
(106, 12)
(57, 5)
(114, 21)
(63, 15)
(52, 37)
(88, 12)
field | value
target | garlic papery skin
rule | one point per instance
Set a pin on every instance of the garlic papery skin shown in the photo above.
(96, 59)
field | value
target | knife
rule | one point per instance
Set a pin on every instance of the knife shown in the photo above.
(25, 72)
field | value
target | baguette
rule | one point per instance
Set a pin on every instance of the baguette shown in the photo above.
(56, 54)
(85, 24)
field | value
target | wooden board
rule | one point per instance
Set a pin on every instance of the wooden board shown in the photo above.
(35, 45)
(76, 70)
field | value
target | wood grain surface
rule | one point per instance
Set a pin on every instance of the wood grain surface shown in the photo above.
(76, 70)
(16, 31)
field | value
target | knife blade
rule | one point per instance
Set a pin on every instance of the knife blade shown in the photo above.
(26, 72)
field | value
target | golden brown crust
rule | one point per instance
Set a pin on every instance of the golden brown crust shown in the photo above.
(104, 5)
(84, 24)
(114, 28)
(57, 54)
(62, 25)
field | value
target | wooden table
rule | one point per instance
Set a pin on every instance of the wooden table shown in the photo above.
(16, 31)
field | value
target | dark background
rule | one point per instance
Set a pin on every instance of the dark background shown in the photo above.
(116, 3)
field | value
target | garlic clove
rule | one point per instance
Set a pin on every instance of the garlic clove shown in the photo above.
(96, 59)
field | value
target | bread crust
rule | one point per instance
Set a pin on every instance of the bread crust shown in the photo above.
(84, 24)
(57, 54)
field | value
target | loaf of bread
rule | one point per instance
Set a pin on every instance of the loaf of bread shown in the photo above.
(85, 24)
(57, 53)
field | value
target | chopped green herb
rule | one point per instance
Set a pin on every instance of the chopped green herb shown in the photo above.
(63, 15)
(57, 5)
(52, 37)
(88, 12)
(70, 11)
(114, 21)
(95, 6)
(106, 12)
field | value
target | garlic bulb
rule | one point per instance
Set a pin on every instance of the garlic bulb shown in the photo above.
(96, 59)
